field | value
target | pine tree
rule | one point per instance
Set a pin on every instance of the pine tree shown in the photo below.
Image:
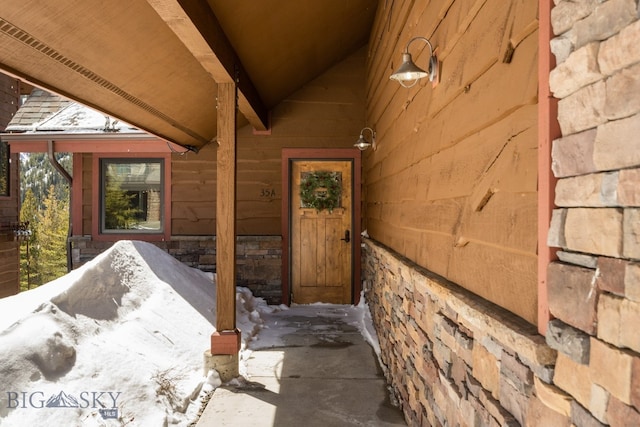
(45, 196)
(37, 174)
(52, 237)
(29, 251)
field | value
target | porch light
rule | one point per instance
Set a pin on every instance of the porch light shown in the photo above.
(409, 73)
(362, 143)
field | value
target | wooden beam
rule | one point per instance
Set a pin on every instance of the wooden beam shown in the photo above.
(197, 27)
(226, 210)
(548, 130)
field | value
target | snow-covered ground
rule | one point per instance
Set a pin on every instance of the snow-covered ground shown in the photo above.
(121, 341)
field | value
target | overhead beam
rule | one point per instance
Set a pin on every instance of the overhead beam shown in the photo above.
(198, 29)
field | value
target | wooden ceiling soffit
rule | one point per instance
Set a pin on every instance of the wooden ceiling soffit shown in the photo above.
(197, 27)
(116, 80)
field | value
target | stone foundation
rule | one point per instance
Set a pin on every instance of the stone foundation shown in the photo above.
(454, 359)
(259, 259)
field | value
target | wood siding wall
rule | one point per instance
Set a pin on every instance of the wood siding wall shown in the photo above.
(326, 113)
(9, 206)
(452, 184)
(193, 192)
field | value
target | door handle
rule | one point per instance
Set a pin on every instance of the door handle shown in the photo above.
(347, 236)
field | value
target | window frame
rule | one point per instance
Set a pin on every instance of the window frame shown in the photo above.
(97, 205)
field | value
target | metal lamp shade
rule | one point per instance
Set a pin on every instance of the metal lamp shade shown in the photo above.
(408, 72)
(362, 144)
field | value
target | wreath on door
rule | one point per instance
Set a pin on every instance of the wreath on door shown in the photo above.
(320, 190)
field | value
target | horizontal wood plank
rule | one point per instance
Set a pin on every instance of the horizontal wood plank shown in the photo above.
(202, 227)
(506, 278)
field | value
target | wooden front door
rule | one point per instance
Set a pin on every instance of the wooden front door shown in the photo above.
(322, 232)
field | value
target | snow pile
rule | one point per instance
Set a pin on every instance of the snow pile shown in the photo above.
(119, 341)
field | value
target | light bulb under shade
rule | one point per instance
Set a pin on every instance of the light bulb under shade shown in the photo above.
(362, 144)
(409, 73)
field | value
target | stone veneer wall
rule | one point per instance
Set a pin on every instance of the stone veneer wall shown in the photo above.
(452, 358)
(594, 288)
(259, 259)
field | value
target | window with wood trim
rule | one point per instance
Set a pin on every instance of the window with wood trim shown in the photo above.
(132, 196)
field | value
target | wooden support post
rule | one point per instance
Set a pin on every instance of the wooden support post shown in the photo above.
(226, 340)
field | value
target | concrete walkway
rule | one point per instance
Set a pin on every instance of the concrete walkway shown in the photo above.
(309, 367)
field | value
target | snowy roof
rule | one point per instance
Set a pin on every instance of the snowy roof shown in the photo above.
(44, 112)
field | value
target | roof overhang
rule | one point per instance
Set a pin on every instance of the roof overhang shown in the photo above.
(156, 64)
(137, 142)
(125, 59)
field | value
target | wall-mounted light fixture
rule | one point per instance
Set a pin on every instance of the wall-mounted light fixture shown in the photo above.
(409, 73)
(362, 143)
